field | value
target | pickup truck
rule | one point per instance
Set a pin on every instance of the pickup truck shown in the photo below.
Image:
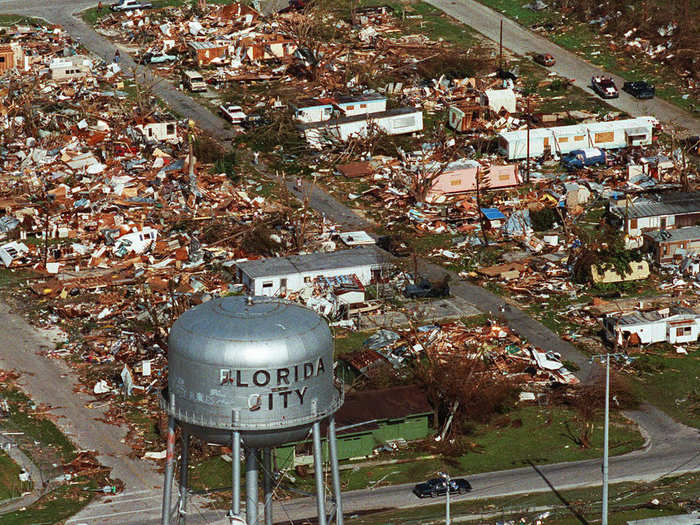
(129, 5)
(582, 158)
(234, 114)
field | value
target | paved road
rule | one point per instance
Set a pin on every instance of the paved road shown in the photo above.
(521, 41)
(672, 450)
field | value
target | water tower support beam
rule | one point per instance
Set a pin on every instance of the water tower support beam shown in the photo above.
(335, 471)
(169, 467)
(236, 473)
(251, 486)
(184, 460)
(267, 484)
(318, 474)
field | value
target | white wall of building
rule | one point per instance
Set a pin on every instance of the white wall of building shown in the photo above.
(274, 285)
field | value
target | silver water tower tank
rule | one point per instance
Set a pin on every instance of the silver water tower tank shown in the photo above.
(256, 372)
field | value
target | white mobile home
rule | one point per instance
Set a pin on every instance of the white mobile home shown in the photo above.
(313, 109)
(157, 129)
(69, 68)
(392, 122)
(279, 275)
(564, 139)
(322, 109)
(361, 105)
(676, 326)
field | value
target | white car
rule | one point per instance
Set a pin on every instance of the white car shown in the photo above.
(129, 5)
(234, 114)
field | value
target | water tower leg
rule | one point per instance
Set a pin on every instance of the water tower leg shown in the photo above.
(169, 467)
(184, 460)
(236, 473)
(267, 484)
(335, 471)
(251, 486)
(318, 474)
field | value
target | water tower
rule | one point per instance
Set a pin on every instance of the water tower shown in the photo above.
(251, 372)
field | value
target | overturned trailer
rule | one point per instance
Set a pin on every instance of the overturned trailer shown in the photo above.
(559, 140)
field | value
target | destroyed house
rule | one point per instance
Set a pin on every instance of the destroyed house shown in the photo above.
(239, 12)
(268, 47)
(158, 129)
(668, 212)
(372, 419)
(671, 325)
(466, 116)
(70, 68)
(498, 100)
(11, 57)
(460, 177)
(322, 109)
(278, 275)
(204, 53)
(669, 245)
(559, 140)
(392, 122)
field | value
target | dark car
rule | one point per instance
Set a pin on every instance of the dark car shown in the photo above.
(424, 288)
(605, 87)
(544, 59)
(639, 89)
(438, 487)
(395, 245)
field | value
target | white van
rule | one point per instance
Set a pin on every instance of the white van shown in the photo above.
(194, 81)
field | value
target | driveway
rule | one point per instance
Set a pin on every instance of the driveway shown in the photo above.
(521, 41)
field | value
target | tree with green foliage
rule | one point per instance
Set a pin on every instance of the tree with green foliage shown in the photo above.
(604, 248)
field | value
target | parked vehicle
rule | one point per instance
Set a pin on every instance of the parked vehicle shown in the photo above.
(234, 114)
(438, 487)
(544, 59)
(129, 5)
(152, 58)
(194, 81)
(424, 288)
(394, 245)
(639, 89)
(256, 120)
(582, 158)
(605, 87)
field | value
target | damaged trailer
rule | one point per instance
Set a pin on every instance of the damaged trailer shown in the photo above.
(559, 140)
(392, 122)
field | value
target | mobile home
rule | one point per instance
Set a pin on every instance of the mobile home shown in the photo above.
(279, 275)
(392, 122)
(558, 140)
(70, 68)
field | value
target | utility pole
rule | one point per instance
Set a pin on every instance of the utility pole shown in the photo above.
(446, 477)
(604, 518)
(527, 169)
(500, 48)
(606, 430)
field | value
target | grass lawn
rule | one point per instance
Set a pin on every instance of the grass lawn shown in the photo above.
(587, 41)
(9, 20)
(525, 434)
(669, 491)
(670, 381)
(56, 506)
(35, 428)
(91, 17)
(348, 342)
(10, 485)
